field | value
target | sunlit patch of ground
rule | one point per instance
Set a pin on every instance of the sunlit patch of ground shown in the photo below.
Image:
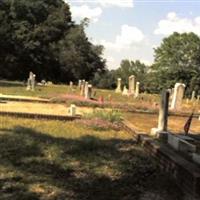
(144, 122)
(42, 108)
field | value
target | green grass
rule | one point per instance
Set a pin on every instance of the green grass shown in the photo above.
(68, 161)
(17, 88)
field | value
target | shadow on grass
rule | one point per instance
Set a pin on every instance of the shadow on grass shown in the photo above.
(35, 165)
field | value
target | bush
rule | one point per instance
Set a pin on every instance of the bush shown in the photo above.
(111, 116)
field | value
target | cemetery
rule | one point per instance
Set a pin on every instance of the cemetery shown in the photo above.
(100, 119)
(99, 100)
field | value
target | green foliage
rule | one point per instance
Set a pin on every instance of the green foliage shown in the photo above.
(177, 60)
(129, 68)
(40, 36)
(105, 79)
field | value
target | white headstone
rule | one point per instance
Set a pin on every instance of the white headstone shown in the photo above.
(193, 96)
(137, 90)
(131, 84)
(179, 90)
(86, 90)
(72, 110)
(163, 114)
(33, 82)
(79, 84)
(89, 95)
(125, 91)
(82, 87)
(119, 82)
(71, 85)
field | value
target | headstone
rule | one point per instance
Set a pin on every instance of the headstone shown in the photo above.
(43, 82)
(119, 82)
(125, 91)
(82, 87)
(49, 83)
(131, 84)
(89, 91)
(178, 96)
(79, 84)
(72, 110)
(163, 114)
(33, 82)
(29, 81)
(137, 90)
(193, 96)
(71, 85)
(86, 90)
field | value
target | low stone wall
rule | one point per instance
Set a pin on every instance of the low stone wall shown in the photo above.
(186, 173)
(4, 98)
(39, 116)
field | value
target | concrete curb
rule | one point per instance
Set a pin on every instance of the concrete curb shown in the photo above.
(39, 116)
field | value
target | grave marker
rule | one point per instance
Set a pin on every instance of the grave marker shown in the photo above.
(163, 114)
(119, 82)
(178, 96)
(137, 90)
(131, 84)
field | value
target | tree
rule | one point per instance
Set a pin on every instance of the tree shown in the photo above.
(128, 68)
(177, 60)
(40, 36)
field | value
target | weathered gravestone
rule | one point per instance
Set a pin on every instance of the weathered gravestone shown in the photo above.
(89, 95)
(82, 87)
(179, 90)
(79, 84)
(125, 91)
(71, 85)
(131, 84)
(193, 96)
(86, 90)
(137, 90)
(72, 110)
(31, 82)
(163, 114)
(119, 83)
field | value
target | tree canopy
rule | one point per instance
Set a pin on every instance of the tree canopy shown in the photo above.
(40, 36)
(177, 60)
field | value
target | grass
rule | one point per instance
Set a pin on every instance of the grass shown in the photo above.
(18, 88)
(65, 160)
(144, 102)
(144, 122)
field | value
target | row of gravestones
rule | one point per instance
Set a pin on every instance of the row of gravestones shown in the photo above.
(31, 82)
(134, 87)
(85, 89)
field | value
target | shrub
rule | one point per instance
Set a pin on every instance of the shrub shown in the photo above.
(111, 116)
